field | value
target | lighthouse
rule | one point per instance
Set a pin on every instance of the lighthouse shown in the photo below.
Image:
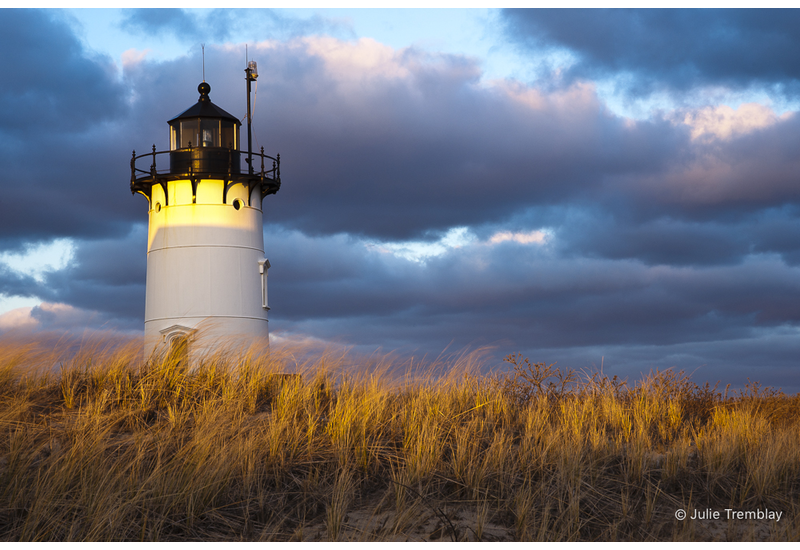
(206, 268)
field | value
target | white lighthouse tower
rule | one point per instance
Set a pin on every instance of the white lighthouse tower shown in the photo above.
(206, 269)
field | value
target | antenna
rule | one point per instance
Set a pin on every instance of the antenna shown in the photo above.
(251, 74)
(203, 47)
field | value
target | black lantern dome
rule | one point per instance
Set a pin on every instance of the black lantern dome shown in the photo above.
(203, 136)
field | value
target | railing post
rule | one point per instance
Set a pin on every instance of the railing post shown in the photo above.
(279, 168)
(133, 166)
(153, 166)
(262, 162)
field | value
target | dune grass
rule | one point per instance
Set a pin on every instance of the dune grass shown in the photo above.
(107, 447)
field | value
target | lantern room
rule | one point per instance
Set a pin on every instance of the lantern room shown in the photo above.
(204, 138)
(204, 145)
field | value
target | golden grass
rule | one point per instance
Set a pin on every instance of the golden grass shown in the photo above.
(98, 445)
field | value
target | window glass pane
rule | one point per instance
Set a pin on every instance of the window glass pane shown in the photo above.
(227, 138)
(209, 133)
(188, 134)
(174, 139)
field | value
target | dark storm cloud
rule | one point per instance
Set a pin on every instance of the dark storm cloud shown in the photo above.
(769, 357)
(336, 276)
(58, 317)
(13, 283)
(528, 293)
(744, 173)
(77, 178)
(398, 157)
(723, 320)
(778, 230)
(659, 241)
(101, 287)
(153, 21)
(50, 83)
(58, 105)
(670, 48)
(106, 276)
(727, 238)
(447, 151)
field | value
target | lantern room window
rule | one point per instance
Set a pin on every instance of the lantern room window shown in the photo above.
(203, 132)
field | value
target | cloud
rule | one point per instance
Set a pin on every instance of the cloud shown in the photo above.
(155, 21)
(37, 260)
(17, 319)
(724, 122)
(133, 56)
(521, 238)
(51, 317)
(51, 84)
(452, 151)
(106, 276)
(59, 107)
(678, 49)
(448, 150)
(526, 295)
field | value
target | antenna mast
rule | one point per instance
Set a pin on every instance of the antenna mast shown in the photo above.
(203, 47)
(251, 74)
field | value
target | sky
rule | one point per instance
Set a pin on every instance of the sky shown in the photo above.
(615, 188)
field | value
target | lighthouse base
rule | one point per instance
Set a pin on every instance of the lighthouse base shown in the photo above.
(202, 338)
